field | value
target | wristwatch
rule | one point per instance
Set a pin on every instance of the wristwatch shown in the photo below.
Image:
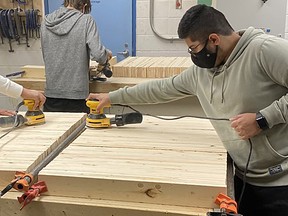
(261, 121)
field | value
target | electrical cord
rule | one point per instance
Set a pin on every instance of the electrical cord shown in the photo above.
(209, 118)
(245, 174)
(16, 120)
(174, 118)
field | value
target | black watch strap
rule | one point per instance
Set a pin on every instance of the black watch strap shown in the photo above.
(261, 121)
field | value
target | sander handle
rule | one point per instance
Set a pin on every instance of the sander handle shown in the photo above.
(127, 118)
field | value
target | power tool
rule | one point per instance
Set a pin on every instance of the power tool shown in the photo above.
(32, 117)
(101, 69)
(99, 120)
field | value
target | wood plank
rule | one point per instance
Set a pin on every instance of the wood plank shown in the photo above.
(62, 206)
(179, 163)
(119, 69)
(111, 84)
(33, 71)
(159, 162)
(22, 146)
(128, 72)
(151, 67)
(38, 71)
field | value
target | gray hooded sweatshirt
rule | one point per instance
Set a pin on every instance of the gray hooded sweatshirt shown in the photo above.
(69, 39)
(254, 78)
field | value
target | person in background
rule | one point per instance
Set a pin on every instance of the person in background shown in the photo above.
(12, 89)
(241, 76)
(70, 38)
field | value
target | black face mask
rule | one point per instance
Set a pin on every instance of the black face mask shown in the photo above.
(204, 58)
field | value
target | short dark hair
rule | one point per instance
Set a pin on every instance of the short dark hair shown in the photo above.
(79, 4)
(200, 21)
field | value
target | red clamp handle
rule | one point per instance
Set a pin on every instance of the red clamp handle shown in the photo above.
(34, 191)
(226, 203)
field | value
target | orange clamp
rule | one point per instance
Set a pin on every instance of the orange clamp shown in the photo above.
(226, 203)
(34, 191)
(23, 181)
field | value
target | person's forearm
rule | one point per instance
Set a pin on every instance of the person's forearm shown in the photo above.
(10, 88)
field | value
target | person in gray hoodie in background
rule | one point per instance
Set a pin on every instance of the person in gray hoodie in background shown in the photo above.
(241, 77)
(69, 39)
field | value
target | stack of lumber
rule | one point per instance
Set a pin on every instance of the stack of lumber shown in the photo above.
(154, 168)
(128, 72)
(151, 67)
(34, 76)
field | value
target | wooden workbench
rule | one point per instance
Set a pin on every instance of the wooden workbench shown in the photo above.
(129, 72)
(111, 84)
(154, 168)
(136, 70)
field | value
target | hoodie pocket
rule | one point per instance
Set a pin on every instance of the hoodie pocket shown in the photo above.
(272, 150)
(263, 155)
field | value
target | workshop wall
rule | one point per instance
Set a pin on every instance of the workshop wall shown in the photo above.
(22, 55)
(166, 19)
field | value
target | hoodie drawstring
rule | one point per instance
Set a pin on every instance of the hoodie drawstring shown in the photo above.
(222, 87)
(211, 87)
(223, 82)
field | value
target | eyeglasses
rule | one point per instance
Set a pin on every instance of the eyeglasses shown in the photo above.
(191, 50)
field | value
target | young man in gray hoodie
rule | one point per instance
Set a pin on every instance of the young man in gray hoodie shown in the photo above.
(241, 76)
(69, 39)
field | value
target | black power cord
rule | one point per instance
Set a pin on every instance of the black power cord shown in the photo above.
(16, 120)
(175, 118)
(245, 174)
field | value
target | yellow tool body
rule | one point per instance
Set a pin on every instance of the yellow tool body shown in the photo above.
(33, 116)
(96, 119)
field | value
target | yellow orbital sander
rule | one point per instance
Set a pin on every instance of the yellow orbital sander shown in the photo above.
(95, 119)
(99, 120)
(33, 116)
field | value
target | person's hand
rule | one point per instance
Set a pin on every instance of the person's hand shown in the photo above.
(109, 55)
(103, 99)
(37, 96)
(7, 112)
(245, 125)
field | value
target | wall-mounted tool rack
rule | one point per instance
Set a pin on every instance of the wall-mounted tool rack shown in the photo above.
(20, 20)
